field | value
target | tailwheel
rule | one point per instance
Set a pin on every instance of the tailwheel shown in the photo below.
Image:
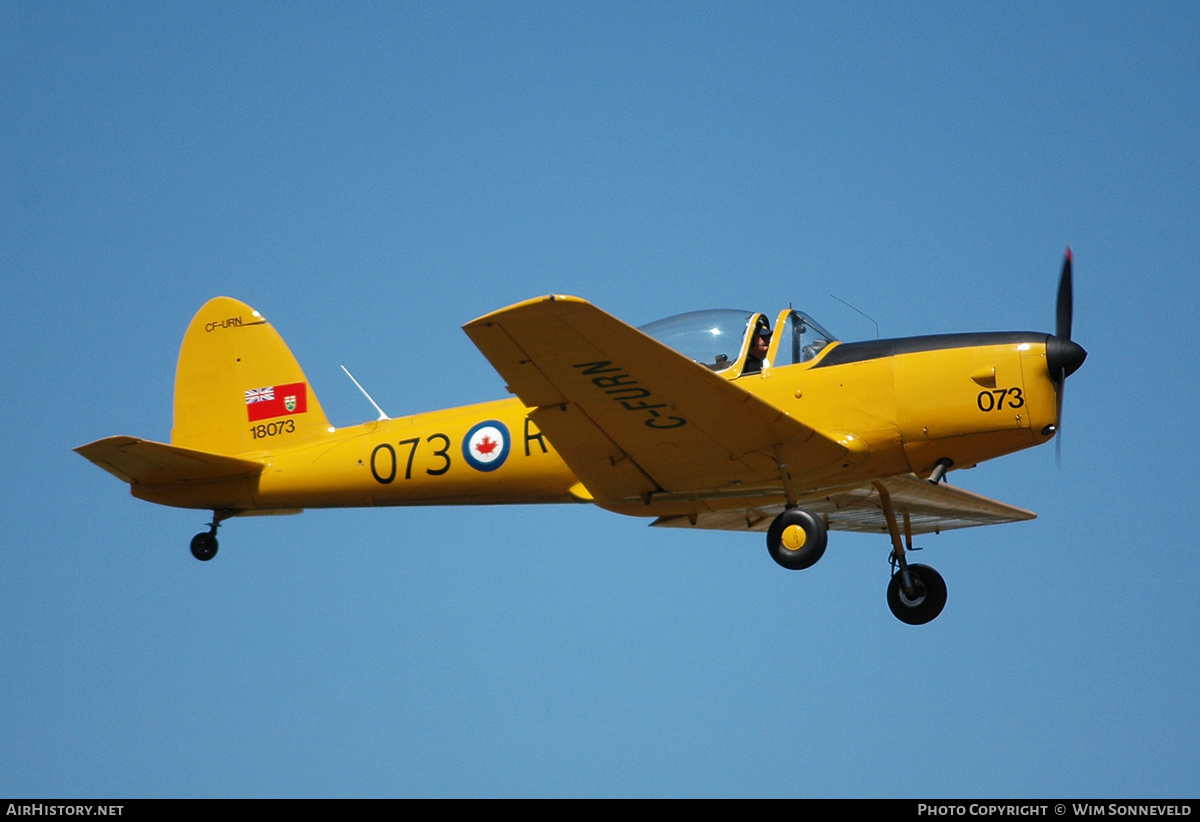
(797, 539)
(204, 545)
(922, 600)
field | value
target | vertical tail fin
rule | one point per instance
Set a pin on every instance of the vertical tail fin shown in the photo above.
(237, 386)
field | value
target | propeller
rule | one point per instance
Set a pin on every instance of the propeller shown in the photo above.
(1063, 357)
(1066, 301)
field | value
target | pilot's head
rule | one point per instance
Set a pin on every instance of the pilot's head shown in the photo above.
(762, 339)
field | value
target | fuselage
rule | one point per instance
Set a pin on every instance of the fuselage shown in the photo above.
(903, 404)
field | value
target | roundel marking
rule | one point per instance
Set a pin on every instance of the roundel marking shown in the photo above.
(485, 447)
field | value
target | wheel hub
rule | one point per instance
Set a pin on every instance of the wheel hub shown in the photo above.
(794, 537)
(918, 596)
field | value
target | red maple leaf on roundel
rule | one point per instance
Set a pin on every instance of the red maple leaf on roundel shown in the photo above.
(486, 445)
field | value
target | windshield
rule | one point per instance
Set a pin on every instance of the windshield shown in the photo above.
(801, 338)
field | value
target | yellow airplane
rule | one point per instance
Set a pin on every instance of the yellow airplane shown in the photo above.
(705, 420)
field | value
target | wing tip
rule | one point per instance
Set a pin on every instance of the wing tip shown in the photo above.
(493, 316)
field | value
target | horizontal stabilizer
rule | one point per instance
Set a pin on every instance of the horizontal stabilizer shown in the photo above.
(143, 462)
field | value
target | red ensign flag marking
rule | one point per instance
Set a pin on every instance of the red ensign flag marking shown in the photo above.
(276, 401)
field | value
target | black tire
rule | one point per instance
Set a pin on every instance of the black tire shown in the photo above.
(928, 600)
(204, 546)
(816, 537)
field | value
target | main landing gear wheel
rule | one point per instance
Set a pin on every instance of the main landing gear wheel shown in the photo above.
(204, 546)
(921, 604)
(797, 539)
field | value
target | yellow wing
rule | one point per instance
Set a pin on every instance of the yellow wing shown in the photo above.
(632, 417)
(930, 509)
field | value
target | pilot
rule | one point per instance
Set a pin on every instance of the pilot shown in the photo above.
(759, 344)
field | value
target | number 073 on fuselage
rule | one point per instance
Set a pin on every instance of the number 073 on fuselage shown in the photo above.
(724, 419)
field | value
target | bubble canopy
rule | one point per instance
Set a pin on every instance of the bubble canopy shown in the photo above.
(716, 338)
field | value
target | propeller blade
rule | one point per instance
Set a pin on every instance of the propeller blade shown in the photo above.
(1062, 325)
(1062, 385)
(1063, 356)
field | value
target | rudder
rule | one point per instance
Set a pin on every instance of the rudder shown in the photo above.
(238, 387)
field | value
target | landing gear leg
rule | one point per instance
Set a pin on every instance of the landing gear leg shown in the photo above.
(204, 544)
(797, 538)
(916, 594)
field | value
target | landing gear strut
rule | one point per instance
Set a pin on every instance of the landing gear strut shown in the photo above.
(204, 544)
(797, 539)
(916, 594)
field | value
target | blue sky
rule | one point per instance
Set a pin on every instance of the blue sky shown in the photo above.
(372, 176)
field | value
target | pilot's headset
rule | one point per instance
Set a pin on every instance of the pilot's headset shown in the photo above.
(762, 328)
